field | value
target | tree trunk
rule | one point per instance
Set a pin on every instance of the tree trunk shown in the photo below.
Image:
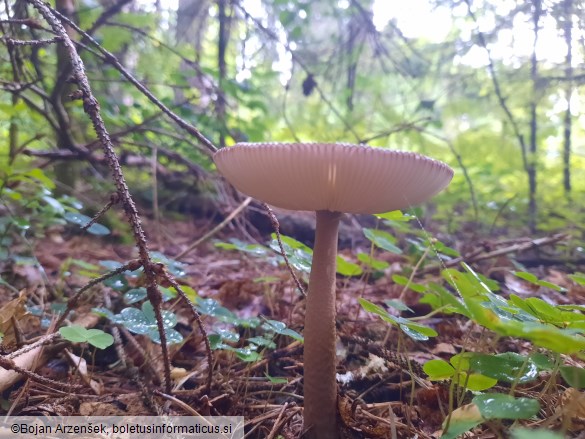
(567, 123)
(66, 173)
(532, 151)
(222, 67)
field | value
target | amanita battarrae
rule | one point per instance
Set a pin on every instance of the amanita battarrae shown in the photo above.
(330, 179)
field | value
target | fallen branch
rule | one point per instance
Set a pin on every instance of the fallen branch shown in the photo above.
(481, 256)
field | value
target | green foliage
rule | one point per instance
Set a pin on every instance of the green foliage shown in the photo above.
(79, 334)
(31, 208)
(574, 376)
(525, 433)
(143, 321)
(299, 255)
(545, 325)
(500, 406)
(414, 330)
(508, 367)
(534, 280)
(382, 239)
(458, 370)
(488, 406)
(224, 333)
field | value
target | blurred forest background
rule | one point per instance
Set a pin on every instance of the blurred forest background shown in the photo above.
(494, 88)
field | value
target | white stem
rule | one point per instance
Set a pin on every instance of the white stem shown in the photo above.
(320, 388)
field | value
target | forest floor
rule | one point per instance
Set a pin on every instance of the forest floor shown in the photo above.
(385, 393)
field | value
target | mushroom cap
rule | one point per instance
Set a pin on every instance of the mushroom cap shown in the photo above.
(332, 176)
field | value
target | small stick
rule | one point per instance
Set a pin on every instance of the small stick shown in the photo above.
(114, 199)
(276, 227)
(197, 318)
(277, 424)
(217, 228)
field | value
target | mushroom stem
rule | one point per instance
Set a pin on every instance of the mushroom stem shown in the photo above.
(320, 388)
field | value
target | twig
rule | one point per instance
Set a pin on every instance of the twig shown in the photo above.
(91, 107)
(29, 22)
(475, 257)
(72, 302)
(44, 341)
(277, 424)
(276, 227)
(164, 273)
(6, 363)
(12, 42)
(217, 228)
(114, 199)
(190, 410)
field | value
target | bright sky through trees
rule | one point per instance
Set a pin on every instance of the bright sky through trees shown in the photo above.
(419, 19)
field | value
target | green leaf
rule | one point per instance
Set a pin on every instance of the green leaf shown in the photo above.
(248, 355)
(508, 367)
(262, 341)
(439, 247)
(382, 239)
(542, 361)
(227, 335)
(370, 261)
(176, 268)
(414, 330)
(476, 382)
(346, 268)
(236, 244)
(574, 376)
(415, 333)
(74, 333)
(103, 312)
(211, 307)
(578, 278)
(397, 304)
(95, 337)
(134, 295)
(280, 328)
(372, 307)
(55, 205)
(401, 280)
(525, 433)
(99, 339)
(98, 229)
(438, 296)
(438, 370)
(143, 321)
(275, 380)
(534, 280)
(39, 175)
(395, 215)
(110, 265)
(461, 420)
(501, 406)
(299, 255)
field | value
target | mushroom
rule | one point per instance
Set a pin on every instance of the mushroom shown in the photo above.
(331, 179)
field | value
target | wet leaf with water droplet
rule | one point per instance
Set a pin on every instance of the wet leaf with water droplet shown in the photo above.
(508, 367)
(501, 406)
